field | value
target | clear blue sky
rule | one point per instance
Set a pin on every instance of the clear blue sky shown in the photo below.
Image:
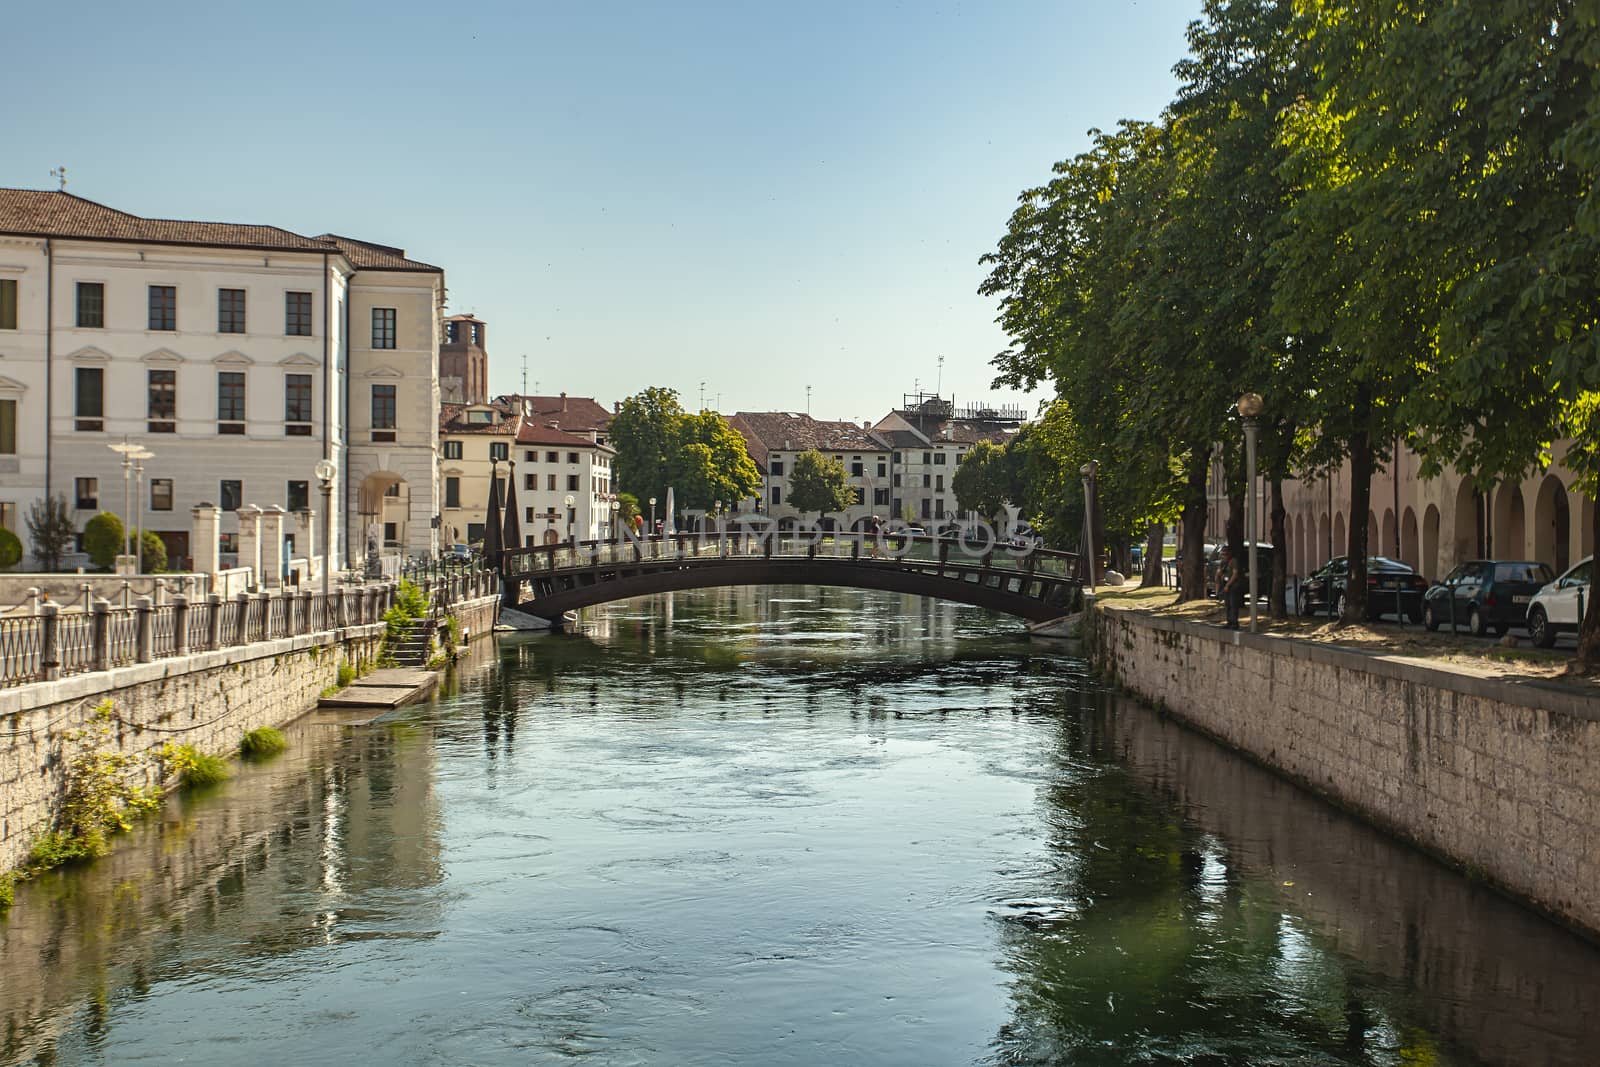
(757, 195)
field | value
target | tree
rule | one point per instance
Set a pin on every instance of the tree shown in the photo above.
(627, 509)
(10, 549)
(817, 483)
(152, 553)
(51, 530)
(983, 481)
(103, 539)
(700, 456)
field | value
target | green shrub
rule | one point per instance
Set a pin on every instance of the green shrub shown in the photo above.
(8, 896)
(262, 742)
(347, 675)
(10, 549)
(103, 539)
(192, 767)
(152, 553)
(61, 847)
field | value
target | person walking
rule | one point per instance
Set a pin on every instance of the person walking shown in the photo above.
(1232, 587)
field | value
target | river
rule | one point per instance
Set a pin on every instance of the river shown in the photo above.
(776, 827)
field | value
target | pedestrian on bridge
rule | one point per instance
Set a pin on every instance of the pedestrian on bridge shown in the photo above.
(1232, 587)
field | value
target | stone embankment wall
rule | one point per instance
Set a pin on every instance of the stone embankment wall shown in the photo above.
(1496, 776)
(208, 700)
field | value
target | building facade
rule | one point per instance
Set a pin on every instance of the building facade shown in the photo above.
(775, 439)
(464, 361)
(238, 355)
(929, 437)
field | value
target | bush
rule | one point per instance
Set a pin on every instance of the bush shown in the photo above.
(152, 553)
(347, 674)
(262, 742)
(10, 549)
(193, 767)
(103, 539)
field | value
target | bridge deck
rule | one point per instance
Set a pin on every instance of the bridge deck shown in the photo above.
(1033, 584)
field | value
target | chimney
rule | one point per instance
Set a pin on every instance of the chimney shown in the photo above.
(616, 407)
(563, 403)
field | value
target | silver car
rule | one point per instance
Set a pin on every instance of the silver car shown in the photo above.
(1559, 606)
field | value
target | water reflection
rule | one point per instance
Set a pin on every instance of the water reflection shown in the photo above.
(778, 826)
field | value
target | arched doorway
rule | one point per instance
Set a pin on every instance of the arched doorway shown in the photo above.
(1470, 528)
(1341, 544)
(382, 506)
(1430, 542)
(1391, 536)
(1323, 550)
(1373, 544)
(1408, 540)
(1510, 525)
(1552, 525)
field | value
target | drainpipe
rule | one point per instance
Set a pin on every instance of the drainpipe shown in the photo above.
(327, 422)
(344, 504)
(49, 363)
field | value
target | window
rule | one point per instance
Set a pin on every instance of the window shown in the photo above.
(160, 494)
(8, 428)
(897, 479)
(383, 327)
(230, 311)
(391, 532)
(777, 468)
(91, 305)
(87, 493)
(777, 495)
(499, 451)
(859, 495)
(452, 450)
(299, 496)
(550, 482)
(91, 399)
(230, 401)
(572, 457)
(927, 459)
(552, 457)
(927, 481)
(163, 307)
(452, 492)
(938, 483)
(883, 468)
(383, 413)
(572, 482)
(474, 532)
(161, 401)
(530, 482)
(938, 508)
(230, 495)
(393, 490)
(297, 314)
(880, 497)
(297, 405)
(897, 457)
(938, 459)
(927, 509)
(856, 469)
(8, 303)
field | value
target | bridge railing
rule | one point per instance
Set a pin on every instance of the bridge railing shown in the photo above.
(772, 543)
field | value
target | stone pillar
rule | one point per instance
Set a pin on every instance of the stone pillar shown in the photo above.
(144, 635)
(250, 541)
(205, 538)
(272, 558)
(180, 625)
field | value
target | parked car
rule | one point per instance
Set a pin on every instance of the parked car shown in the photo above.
(1558, 608)
(1485, 595)
(1323, 591)
(1263, 554)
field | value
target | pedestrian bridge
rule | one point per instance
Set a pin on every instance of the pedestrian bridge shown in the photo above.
(1038, 585)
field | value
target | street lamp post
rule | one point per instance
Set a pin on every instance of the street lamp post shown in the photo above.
(1250, 407)
(651, 531)
(138, 506)
(571, 518)
(1089, 470)
(326, 472)
(126, 451)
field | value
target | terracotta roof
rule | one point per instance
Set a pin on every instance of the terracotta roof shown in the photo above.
(48, 213)
(534, 434)
(452, 421)
(51, 213)
(766, 432)
(365, 255)
(582, 413)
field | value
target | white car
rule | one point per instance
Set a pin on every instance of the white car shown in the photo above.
(1559, 606)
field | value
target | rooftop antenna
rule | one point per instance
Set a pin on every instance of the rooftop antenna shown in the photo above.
(808, 400)
(524, 374)
(702, 396)
(60, 175)
(940, 380)
(916, 386)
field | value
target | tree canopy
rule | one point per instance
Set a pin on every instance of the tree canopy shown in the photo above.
(660, 445)
(818, 483)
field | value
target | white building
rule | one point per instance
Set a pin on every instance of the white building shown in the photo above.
(240, 355)
(929, 436)
(775, 439)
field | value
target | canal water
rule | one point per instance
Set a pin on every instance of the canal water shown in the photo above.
(776, 827)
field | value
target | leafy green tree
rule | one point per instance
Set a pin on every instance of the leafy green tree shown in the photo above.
(818, 483)
(103, 539)
(700, 456)
(983, 481)
(152, 553)
(10, 549)
(627, 509)
(51, 530)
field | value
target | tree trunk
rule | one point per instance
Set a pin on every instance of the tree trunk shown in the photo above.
(1192, 573)
(1278, 601)
(1355, 584)
(1153, 547)
(1589, 626)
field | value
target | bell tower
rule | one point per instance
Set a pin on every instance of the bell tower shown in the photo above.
(463, 361)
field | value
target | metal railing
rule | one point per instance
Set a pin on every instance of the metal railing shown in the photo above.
(54, 643)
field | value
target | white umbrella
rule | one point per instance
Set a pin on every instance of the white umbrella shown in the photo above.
(671, 508)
